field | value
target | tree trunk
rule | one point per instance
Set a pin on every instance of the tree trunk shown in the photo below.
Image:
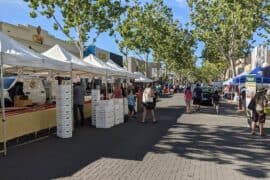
(146, 65)
(232, 62)
(158, 69)
(81, 52)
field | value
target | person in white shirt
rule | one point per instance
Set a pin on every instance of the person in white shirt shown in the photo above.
(149, 103)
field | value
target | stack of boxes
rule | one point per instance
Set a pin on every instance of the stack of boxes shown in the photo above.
(118, 111)
(64, 111)
(105, 114)
(95, 99)
(126, 106)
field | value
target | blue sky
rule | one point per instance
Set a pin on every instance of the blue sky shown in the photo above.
(17, 12)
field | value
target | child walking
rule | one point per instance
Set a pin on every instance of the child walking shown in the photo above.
(131, 104)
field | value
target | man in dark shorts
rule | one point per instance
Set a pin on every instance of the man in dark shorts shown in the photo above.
(260, 102)
(197, 98)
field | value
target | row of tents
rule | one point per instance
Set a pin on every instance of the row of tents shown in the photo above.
(16, 57)
(260, 73)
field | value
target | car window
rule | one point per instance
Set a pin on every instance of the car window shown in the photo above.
(7, 82)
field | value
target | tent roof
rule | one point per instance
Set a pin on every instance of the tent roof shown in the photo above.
(15, 54)
(94, 61)
(228, 82)
(256, 70)
(63, 55)
(117, 67)
(142, 78)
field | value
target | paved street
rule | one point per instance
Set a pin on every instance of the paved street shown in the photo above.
(181, 146)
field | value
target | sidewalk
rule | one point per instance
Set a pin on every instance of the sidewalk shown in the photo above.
(181, 146)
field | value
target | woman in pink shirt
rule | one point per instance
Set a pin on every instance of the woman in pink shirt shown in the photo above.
(188, 98)
(117, 93)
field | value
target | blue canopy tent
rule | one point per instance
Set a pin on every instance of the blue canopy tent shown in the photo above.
(258, 71)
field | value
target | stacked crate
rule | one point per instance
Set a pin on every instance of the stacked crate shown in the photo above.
(126, 106)
(95, 99)
(105, 114)
(64, 115)
(118, 111)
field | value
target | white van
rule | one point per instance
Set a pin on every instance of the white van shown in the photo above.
(32, 87)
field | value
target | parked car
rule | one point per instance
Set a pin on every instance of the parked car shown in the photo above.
(206, 96)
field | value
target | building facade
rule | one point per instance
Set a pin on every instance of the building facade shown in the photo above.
(260, 56)
(137, 65)
(36, 38)
(104, 54)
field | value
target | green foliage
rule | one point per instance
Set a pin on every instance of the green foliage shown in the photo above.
(80, 16)
(150, 28)
(226, 27)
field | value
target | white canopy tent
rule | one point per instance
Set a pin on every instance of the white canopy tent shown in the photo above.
(117, 67)
(16, 55)
(63, 55)
(94, 61)
(228, 82)
(13, 55)
(142, 78)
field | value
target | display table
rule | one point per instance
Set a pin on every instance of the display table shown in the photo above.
(27, 121)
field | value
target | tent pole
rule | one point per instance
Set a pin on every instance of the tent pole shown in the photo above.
(3, 106)
(106, 85)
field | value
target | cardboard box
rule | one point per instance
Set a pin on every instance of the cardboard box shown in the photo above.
(21, 102)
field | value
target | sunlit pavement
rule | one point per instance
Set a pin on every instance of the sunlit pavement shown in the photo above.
(181, 146)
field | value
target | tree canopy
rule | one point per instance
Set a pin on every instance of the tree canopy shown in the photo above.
(227, 27)
(79, 16)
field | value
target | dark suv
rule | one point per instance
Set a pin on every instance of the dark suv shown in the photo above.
(206, 96)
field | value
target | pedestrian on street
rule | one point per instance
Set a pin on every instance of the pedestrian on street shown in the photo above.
(243, 97)
(215, 100)
(188, 98)
(149, 103)
(257, 105)
(131, 104)
(78, 103)
(197, 97)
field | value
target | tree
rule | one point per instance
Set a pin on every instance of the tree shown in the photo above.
(226, 27)
(79, 17)
(140, 28)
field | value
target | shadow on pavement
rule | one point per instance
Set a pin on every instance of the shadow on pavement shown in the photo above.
(54, 157)
(224, 109)
(220, 144)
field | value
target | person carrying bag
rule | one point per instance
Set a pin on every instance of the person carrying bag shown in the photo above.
(148, 103)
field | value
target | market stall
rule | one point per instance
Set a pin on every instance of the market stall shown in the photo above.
(17, 59)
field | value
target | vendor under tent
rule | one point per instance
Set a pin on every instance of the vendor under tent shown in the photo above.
(17, 56)
(59, 53)
(142, 78)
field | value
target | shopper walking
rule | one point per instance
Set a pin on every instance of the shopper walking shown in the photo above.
(215, 100)
(188, 98)
(131, 104)
(78, 103)
(197, 97)
(257, 105)
(148, 103)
